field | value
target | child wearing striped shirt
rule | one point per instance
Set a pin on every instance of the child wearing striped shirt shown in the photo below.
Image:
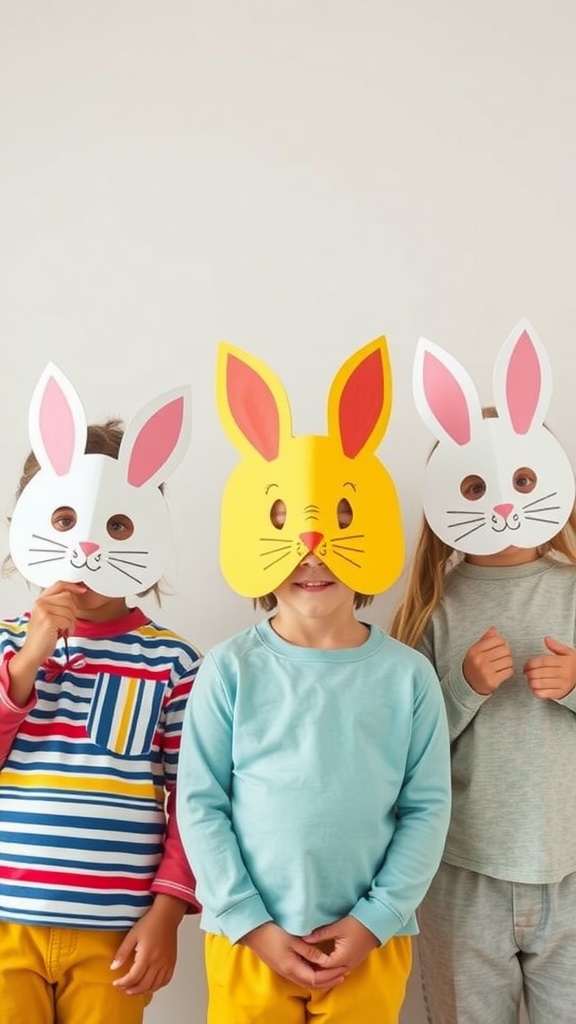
(93, 878)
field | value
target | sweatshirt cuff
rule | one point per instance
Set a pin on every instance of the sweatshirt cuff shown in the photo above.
(243, 918)
(463, 693)
(569, 701)
(168, 887)
(5, 691)
(379, 919)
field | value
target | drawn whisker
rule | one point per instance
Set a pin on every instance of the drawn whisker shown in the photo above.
(346, 559)
(349, 536)
(127, 551)
(466, 522)
(547, 508)
(473, 530)
(42, 561)
(46, 551)
(462, 512)
(126, 561)
(285, 547)
(273, 540)
(539, 519)
(285, 555)
(129, 574)
(346, 547)
(545, 497)
(48, 540)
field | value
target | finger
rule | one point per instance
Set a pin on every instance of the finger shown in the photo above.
(125, 950)
(311, 954)
(556, 647)
(494, 643)
(64, 587)
(504, 667)
(321, 934)
(490, 632)
(548, 694)
(133, 977)
(327, 978)
(150, 982)
(321, 977)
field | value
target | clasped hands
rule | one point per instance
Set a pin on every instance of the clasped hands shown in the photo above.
(319, 960)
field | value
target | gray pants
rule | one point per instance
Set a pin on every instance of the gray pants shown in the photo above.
(485, 942)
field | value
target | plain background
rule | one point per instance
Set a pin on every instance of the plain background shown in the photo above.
(297, 177)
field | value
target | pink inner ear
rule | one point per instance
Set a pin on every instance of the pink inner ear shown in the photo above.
(155, 442)
(446, 399)
(523, 384)
(361, 403)
(253, 407)
(57, 428)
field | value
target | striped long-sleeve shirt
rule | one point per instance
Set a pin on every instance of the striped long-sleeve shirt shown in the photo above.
(88, 775)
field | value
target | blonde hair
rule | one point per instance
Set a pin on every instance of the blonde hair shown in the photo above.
(101, 439)
(433, 558)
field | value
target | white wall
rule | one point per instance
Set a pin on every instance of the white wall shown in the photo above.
(296, 177)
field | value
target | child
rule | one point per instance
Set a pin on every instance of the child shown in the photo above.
(93, 880)
(497, 620)
(313, 788)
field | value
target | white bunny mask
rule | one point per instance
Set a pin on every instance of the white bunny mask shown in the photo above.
(492, 482)
(98, 489)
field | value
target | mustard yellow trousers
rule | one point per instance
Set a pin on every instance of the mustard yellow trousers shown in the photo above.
(243, 990)
(62, 976)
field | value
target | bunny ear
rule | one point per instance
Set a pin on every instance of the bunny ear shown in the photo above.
(252, 403)
(522, 379)
(156, 438)
(56, 421)
(360, 399)
(444, 394)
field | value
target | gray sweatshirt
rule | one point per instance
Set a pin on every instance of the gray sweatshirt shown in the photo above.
(513, 754)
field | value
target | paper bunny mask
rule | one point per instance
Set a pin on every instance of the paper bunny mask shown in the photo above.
(290, 495)
(97, 493)
(492, 482)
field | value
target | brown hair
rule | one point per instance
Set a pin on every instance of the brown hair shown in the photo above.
(433, 558)
(268, 602)
(101, 439)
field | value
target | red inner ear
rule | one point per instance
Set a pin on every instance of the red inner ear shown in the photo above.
(361, 403)
(253, 407)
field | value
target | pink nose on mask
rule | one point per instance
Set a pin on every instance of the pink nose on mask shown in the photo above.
(311, 540)
(88, 548)
(503, 510)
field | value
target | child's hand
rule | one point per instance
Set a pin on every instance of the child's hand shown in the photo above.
(552, 676)
(153, 944)
(293, 958)
(488, 663)
(53, 614)
(352, 942)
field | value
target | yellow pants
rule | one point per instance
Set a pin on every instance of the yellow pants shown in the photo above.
(62, 976)
(243, 990)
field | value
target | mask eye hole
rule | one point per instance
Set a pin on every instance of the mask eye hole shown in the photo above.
(524, 480)
(63, 518)
(344, 513)
(120, 527)
(278, 514)
(473, 487)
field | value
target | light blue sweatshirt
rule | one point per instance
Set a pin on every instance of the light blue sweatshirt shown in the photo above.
(313, 784)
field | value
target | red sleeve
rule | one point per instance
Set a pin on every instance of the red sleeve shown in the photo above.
(11, 716)
(174, 876)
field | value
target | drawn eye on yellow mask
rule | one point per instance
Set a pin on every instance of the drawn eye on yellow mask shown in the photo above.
(291, 495)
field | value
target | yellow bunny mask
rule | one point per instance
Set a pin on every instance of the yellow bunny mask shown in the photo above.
(334, 495)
